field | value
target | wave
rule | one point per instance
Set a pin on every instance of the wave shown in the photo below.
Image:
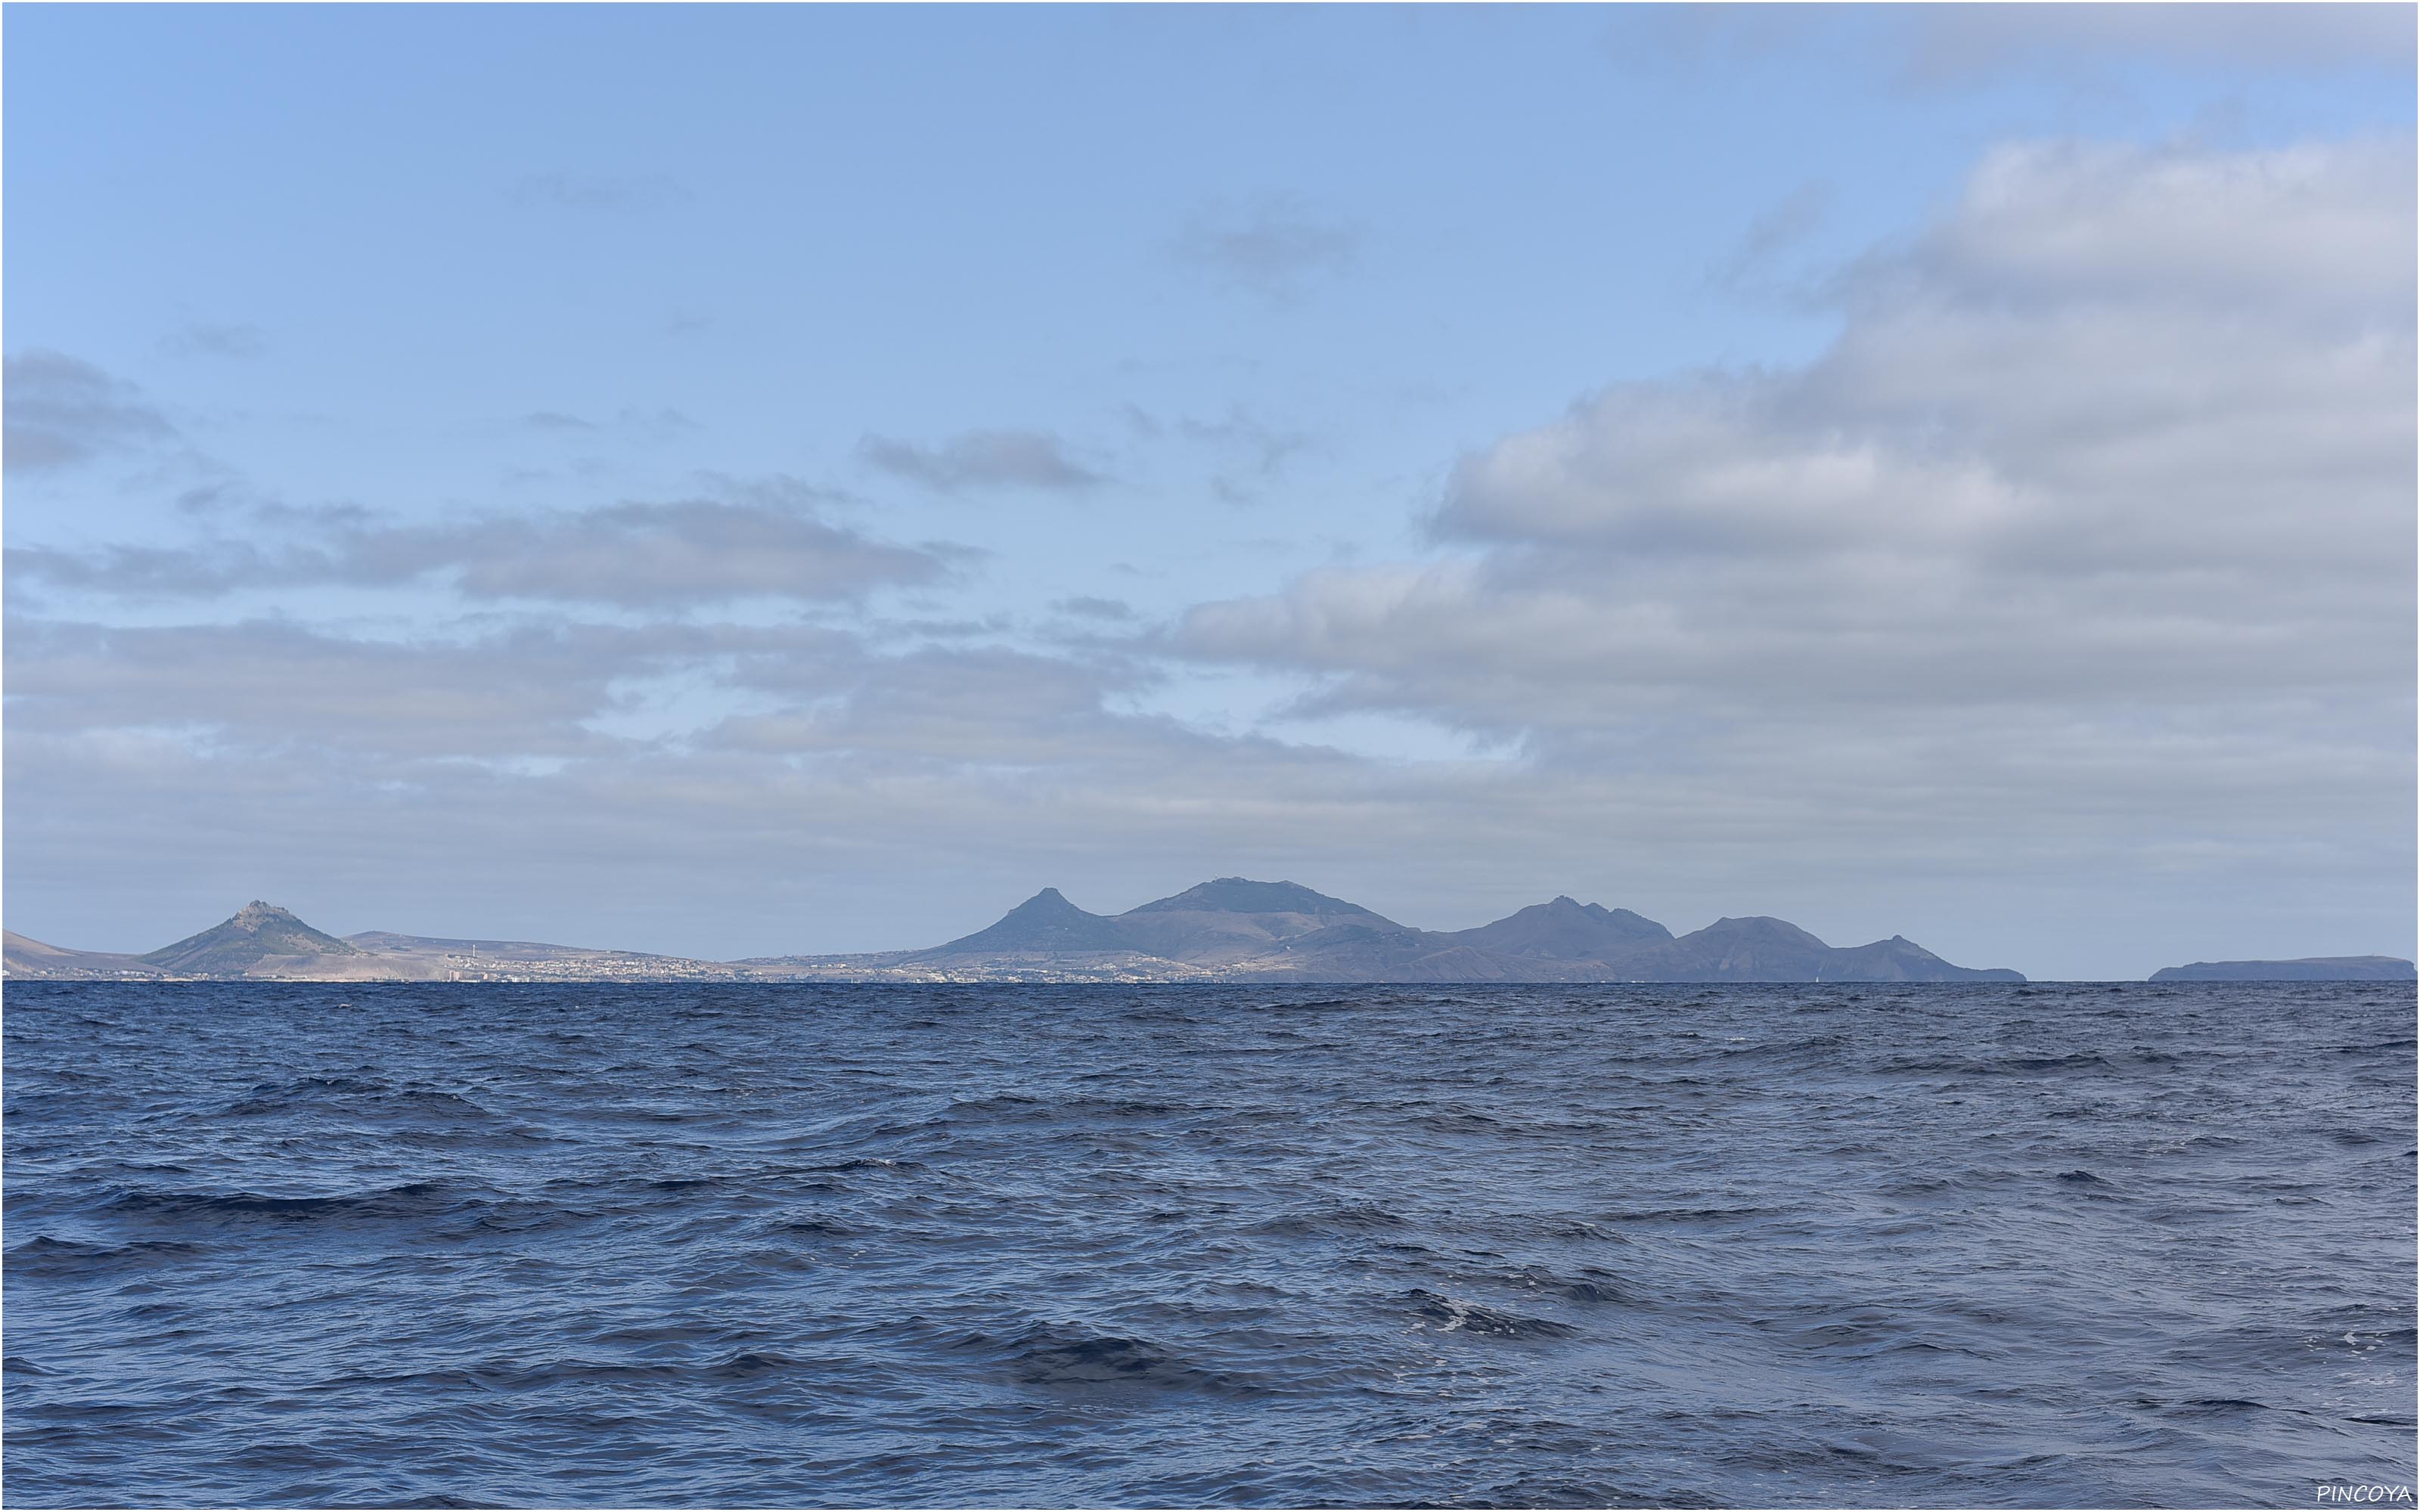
(1449, 1315)
(44, 1256)
(410, 1199)
(1070, 1357)
(1357, 1219)
(1595, 1243)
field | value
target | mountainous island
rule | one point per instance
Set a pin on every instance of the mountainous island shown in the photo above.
(1233, 929)
(1229, 929)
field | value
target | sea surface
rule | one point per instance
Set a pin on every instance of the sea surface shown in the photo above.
(2076, 1245)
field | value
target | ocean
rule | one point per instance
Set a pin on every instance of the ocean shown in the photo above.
(1991, 1245)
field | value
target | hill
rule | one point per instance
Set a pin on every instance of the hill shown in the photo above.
(31, 958)
(1564, 930)
(256, 933)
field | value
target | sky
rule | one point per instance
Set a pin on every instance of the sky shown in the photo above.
(749, 480)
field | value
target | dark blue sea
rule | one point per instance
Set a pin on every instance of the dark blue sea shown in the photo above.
(2073, 1246)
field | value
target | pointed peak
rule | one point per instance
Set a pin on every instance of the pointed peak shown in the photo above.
(255, 931)
(1048, 903)
(1045, 921)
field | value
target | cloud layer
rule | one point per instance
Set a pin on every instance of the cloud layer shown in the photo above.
(2097, 434)
(649, 555)
(2093, 530)
(2085, 550)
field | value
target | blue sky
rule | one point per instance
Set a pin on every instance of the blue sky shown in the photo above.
(738, 480)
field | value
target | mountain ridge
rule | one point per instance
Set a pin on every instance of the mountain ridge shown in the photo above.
(1229, 929)
(1239, 929)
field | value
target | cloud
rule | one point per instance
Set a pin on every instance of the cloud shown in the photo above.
(1250, 454)
(205, 339)
(2310, 233)
(2058, 389)
(636, 423)
(521, 687)
(1753, 265)
(2094, 528)
(965, 710)
(1086, 606)
(638, 555)
(1274, 247)
(692, 552)
(560, 189)
(1257, 452)
(61, 411)
(267, 689)
(983, 459)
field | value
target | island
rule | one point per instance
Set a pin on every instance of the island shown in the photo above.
(2307, 968)
(1232, 928)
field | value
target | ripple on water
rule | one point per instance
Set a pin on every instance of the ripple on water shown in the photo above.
(447, 1245)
